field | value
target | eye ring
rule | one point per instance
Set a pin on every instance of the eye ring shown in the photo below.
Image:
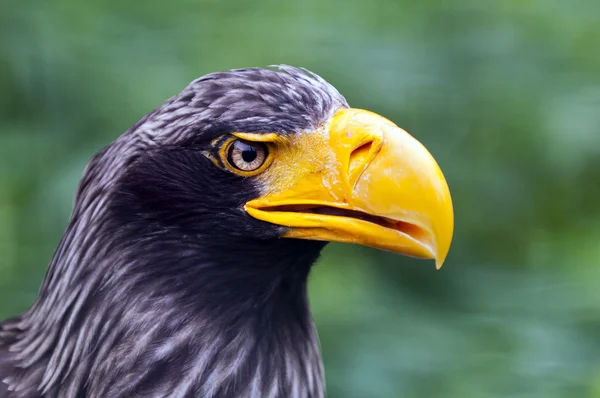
(246, 156)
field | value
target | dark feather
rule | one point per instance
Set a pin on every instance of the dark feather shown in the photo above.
(162, 285)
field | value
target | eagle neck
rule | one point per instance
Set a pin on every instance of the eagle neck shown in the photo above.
(175, 321)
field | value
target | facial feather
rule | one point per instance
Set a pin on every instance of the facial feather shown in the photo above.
(161, 284)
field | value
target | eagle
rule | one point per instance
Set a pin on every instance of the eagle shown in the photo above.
(183, 269)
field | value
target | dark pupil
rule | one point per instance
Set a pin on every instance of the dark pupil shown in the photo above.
(248, 153)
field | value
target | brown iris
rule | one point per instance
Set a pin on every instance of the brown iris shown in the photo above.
(246, 155)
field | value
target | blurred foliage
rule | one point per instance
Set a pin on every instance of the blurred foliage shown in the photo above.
(505, 94)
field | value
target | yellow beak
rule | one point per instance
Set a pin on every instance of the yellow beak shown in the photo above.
(360, 179)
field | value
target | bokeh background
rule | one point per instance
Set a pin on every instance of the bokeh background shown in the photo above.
(505, 94)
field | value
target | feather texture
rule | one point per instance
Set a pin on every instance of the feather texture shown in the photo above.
(162, 285)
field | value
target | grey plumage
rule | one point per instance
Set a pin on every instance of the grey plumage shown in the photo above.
(134, 302)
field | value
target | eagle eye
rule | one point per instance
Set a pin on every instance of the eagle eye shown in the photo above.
(246, 156)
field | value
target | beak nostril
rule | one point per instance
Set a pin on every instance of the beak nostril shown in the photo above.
(360, 157)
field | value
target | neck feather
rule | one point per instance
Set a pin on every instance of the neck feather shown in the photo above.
(121, 314)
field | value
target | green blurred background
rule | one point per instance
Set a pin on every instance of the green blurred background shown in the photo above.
(505, 94)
